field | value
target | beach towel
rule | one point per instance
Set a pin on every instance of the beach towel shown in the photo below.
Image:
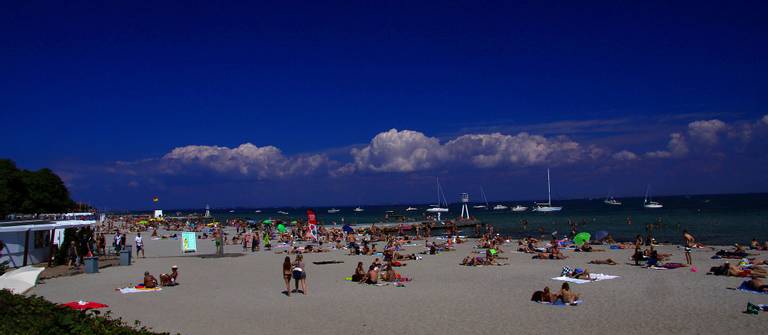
(594, 276)
(560, 303)
(327, 262)
(127, 290)
(744, 287)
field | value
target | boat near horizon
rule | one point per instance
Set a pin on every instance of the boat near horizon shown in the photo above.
(547, 206)
(611, 201)
(500, 207)
(358, 209)
(333, 211)
(411, 209)
(648, 202)
(519, 208)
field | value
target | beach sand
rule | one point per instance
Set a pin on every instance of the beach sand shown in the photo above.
(239, 295)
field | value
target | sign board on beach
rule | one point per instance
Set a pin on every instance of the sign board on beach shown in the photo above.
(188, 242)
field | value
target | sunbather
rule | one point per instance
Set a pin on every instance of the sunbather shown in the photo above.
(756, 284)
(149, 280)
(566, 295)
(359, 275)
(169, 279)
(544, 296)
(602, 261)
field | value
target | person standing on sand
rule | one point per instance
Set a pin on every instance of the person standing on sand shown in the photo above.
(688, 243)
(287, 273)
(299, 274)
(139, 245)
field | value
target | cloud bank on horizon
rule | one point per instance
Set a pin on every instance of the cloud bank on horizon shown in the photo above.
(697, 149)
(404, 151)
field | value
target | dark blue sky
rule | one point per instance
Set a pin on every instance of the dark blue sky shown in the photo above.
(87, 85)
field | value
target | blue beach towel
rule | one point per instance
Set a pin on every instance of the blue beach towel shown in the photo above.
(560, 303)
(744, 287)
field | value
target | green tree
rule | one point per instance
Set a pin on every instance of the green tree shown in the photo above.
(23, 191)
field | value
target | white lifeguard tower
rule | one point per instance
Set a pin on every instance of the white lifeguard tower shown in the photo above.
(465, 206)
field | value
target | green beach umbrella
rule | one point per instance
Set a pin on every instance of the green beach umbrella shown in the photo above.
(281, 228)
(493, 252)
(581, 238)
(267, 221)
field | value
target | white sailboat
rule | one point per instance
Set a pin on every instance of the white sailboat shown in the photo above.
(519, 208)
(547, 206)
(648, 203)
(358, 209)
(500, 207)
(282, 212)
(442, 204)
(484, 200)
(611, 201)
(411, 209)
(333, 211)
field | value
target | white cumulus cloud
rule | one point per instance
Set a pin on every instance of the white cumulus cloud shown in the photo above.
(706, 131)
(625, 155)
(246, 159)
(676, 148)
(399, 151)
(407, 151)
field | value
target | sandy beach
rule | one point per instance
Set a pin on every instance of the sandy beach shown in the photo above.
(242, 294)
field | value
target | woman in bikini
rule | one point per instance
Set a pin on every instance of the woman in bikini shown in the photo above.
(287, 275)
(359, 275)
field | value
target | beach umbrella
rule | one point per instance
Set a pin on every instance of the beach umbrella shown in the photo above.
(267, 221)
(347, 229)
(601, 235)
(84, 305)
(294, 222)
(143, 222)
(581, 238)
(281, 228)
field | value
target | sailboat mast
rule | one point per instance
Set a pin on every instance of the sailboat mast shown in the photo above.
(549, 190)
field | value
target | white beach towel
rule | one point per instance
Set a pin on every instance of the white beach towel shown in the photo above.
(594, 276)
(127, 290)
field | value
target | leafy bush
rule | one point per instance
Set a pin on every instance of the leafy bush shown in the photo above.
(20, 314)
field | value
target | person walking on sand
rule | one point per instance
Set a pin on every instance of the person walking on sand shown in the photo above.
(139, 245)
(287, 273)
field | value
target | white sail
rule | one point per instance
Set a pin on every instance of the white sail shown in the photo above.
(547, 206)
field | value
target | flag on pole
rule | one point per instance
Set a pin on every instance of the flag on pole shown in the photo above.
(155, 199)
(312, 221)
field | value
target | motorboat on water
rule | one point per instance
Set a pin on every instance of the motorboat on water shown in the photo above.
(282, 212)
(257, 211)
(547, 206)
(519, 208)
(611, 201)
(333, 211)
(500, 207)
(358, 209)
(411, 209)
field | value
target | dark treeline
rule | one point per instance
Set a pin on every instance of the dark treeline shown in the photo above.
(24, 191)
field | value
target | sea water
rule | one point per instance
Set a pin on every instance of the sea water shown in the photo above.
(713, 219)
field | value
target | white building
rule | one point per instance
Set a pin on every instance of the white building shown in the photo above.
(26, 242)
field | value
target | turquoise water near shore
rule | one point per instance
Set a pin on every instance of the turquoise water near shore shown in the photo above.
(714, 219)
